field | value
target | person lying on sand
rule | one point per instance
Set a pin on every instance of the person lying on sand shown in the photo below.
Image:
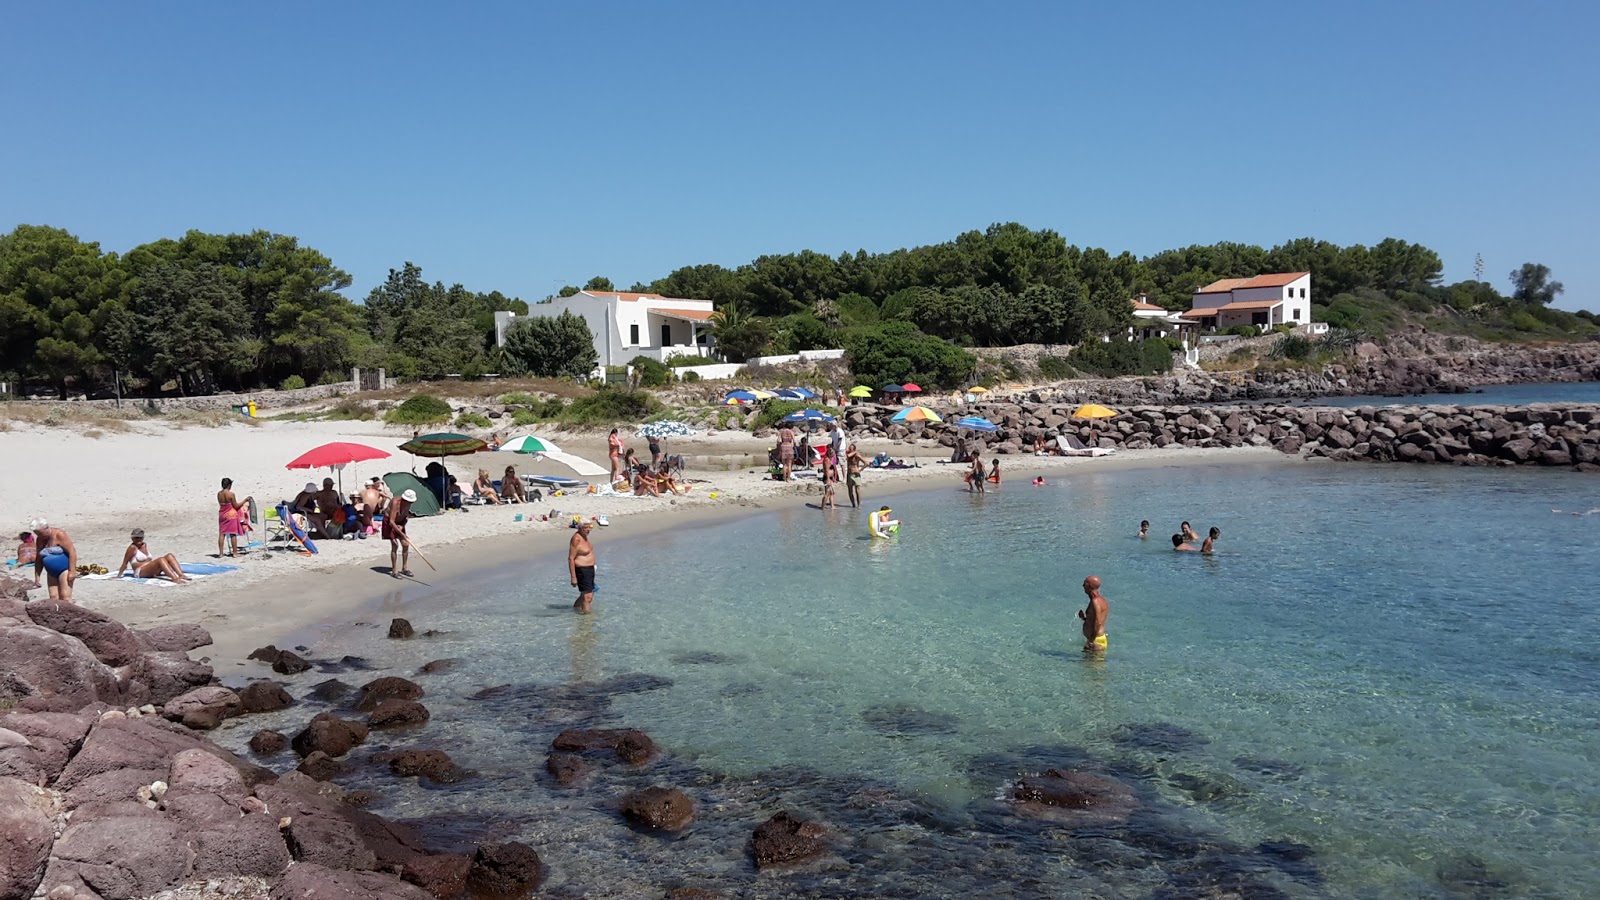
(147, 565)
(26, 551)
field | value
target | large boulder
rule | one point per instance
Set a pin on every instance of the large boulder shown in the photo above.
(329, 734)
(666, 809)
(47, 665)
(267, 742)
(509, 869)
(145, 743)
(27, 822)
(169, 675)
(442, 875)
(309, 881)
(400, 629)
(36, 746)
(120, 856)
(389, 687)
(786, 840)
(229, 832)
(109, 640)
(264, 696)
(179, 637)
(204, 707)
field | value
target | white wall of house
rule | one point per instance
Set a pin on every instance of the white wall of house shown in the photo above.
(624, 329)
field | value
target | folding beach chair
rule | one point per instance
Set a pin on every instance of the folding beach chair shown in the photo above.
(277, 530)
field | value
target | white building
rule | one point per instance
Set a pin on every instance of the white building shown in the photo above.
(1152, 321)
(626, 325)
(1264, 301)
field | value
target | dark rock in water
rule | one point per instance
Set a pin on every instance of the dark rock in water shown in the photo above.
(442, 875)
(785, 840)
(434, 765)
(400, 629)
(1082, 797)
(309, 881)
(739, 689)
(267, 654)
(566, 768)
(346, 664)
(265, 742)
(389, 687)
(320, 766)
(289, 663)
(1214, 882)
(1469, 876)
(577, 695)
(264, 696)
(692, 893)
(331, 691)
(433, 632)
(898, 719)
(1293, 859)
(666, 809)
(630, 745)
(1207, 787)
(508, 869)
(1161, 737)
(1273, 769)
(434, 667)
(705, 658)
(396, 713)
(489, 693)
(330, 734)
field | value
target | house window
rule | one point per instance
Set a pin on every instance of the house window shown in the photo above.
(666, 334)
(1302, 293)
(633, 334)
(1294, 314)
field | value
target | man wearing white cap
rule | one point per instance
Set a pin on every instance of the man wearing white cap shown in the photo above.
(394, 531)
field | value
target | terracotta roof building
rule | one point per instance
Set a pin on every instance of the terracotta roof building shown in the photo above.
(1280, 298)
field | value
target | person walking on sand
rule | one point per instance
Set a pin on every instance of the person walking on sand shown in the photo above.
(230, 511)
(57, 560)
(394, 531)
(1094, 616)
(580, 565)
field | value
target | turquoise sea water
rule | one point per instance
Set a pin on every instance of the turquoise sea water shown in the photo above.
(1383, 684)
(1488, 395)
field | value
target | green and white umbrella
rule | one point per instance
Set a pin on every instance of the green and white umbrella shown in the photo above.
(666, 429)
(530, 444)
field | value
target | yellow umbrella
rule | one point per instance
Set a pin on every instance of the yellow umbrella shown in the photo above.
(861, 390)
(980, 389)
(1094, 411)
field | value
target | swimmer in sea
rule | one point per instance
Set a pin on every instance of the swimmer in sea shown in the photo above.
(1144, 529)
(1038, 481)
(1210, 539)
(1178, 543)
(1188, 533)
(1094, 617)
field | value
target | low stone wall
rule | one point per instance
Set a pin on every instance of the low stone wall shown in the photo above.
(264, 400)
(1542, 434)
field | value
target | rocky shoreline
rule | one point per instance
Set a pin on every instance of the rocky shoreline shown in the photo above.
(1541, 434)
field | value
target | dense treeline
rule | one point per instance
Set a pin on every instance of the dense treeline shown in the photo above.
(209, 312)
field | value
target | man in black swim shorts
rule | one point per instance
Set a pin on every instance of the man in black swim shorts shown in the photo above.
(580, 565)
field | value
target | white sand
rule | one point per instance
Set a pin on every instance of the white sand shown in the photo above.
(164, 480)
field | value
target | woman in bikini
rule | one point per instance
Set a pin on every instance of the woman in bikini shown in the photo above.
(485, 488)
(615, 443)
(145, 565)
(511, 487)
(232, 518)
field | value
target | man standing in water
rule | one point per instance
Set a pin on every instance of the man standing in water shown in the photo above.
(1094, 617)
(580, 565)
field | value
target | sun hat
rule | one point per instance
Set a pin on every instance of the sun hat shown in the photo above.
(311, 486)
(137, 533)
(409, 496)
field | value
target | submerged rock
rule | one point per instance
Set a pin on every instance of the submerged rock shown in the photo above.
(434, 667)
(434, 765)
(1161, 737)
(901, 719)
(1073, 797)
(267, 742)
(785, 840)
(264, 696)
(662, 808)
(397, 713)
(629, 744)
(506, 869)
(331, 691)
(566, 768)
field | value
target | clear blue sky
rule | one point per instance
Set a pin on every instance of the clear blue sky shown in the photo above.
(522, 146)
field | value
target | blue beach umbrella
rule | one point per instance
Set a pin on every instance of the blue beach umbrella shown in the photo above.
(892, 389)
(808, 415)
(740, 397)
(799, 393)
(977, 423)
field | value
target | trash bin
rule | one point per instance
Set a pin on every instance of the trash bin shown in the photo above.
(252, 405)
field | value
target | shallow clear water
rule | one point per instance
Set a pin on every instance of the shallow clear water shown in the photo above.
(1388, 670)
(1488, 395)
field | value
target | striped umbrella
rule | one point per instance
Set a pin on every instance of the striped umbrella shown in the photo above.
(977, 423)
(666, 429)
(916, 414)
(443, 443)
(530, 444)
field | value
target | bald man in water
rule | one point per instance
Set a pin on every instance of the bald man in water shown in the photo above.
(1094, 616)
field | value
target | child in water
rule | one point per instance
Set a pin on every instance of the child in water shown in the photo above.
(1038, 481)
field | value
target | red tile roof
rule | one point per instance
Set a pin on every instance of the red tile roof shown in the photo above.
(1140, 304)
(700, 315)
(1277, 279)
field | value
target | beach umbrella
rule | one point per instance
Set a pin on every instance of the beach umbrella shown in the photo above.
(336, 456)
(746, 396)
(530, 444)
(666, 429)
(979, 389)
(861, 390)
(1094, 411)
(797, 393)
(911, 387)
(443, 443)
(808, 415)
(892, 389)
(916, 414)
(977, 423)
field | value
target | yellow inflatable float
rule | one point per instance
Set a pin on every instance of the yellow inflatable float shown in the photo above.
(882, 524)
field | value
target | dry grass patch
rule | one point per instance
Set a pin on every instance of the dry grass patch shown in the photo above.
(54, 415)
(487, 391)
(205, 418)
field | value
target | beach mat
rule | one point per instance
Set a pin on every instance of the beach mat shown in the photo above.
(193, 570)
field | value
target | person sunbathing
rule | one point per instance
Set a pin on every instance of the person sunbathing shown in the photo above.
(485, 488)
(27, 552)
(511, 487)
(665, 481)
(146, 565)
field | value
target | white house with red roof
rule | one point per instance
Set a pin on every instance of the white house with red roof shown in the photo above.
(1266, 301)
(626, 324)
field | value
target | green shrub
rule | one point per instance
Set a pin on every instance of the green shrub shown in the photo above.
(1285, 328)
(522, 417)
(519, 398)
(292, 383)
(553, 408)
(475, 420)
(650, 372)
(691, 376)
(898, 352)
(423, 409)
(1292, 346)
(1109, 359)
(609, 406)
(1243, 330)
(1241, 355)
(774, 410)
(683, 360)
(1522, 320)
(1055, 368)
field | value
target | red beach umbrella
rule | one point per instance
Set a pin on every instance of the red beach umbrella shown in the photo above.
(911, 388)
(336, 455)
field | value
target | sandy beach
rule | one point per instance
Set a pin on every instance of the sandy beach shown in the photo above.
(163, 479)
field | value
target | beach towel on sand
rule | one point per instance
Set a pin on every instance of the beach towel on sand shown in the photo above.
(193, 570)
